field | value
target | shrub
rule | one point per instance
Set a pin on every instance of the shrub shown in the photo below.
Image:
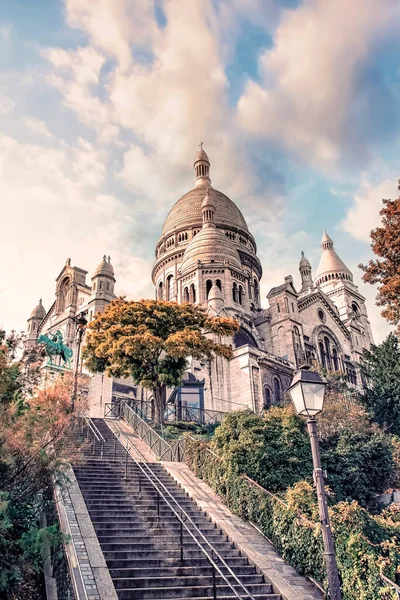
(364, 544)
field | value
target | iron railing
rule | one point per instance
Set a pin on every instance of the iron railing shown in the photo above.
(212, 556)
(169, 451)
(173, 413)
(93, 432)
(111, 410)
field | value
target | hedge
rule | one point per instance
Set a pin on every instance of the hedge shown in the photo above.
(366, 545)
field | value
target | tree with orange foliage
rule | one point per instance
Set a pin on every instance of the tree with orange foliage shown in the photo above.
(385, 271)
(151, 340)
(37, 433)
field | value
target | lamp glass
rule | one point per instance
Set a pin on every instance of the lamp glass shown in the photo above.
(308, 398)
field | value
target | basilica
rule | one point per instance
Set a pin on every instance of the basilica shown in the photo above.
(207, 255)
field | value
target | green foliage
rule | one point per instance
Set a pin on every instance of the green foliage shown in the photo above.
(359, 465)
(364, 544)
(381, 373)
(275, 451)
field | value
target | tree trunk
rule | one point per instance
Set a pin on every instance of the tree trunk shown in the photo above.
(160, 401)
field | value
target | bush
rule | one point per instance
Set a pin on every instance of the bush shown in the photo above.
(364, 544)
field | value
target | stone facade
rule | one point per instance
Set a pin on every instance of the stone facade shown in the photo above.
(207, 255)
(74, 295)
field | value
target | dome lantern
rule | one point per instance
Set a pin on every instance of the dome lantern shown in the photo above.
(201, 168)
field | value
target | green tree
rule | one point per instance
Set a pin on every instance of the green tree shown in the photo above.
(151, 340)
(381, 375)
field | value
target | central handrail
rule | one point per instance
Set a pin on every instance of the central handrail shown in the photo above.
(94, 429)
(183, 524)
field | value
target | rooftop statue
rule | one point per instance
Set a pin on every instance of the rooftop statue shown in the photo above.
(54, 346)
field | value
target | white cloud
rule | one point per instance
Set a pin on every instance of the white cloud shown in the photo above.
(308, 78)
(114, 26)
(363, 215)
(37, 126)
(5, 32)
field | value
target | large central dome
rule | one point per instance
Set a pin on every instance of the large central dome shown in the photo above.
(186, 212)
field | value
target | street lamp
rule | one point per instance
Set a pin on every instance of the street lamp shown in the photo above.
(81, 323)
(307, 392)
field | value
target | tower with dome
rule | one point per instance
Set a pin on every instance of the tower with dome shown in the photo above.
(207, 255)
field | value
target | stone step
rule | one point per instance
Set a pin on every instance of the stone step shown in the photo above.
(157, 581)
(115, 561)
(262, 591)
(177, 571)
(123, 552)
(131, 544)
(164, 538)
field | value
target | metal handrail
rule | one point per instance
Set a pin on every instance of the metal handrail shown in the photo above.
(94, 429)
(183, 524)
(165, 450)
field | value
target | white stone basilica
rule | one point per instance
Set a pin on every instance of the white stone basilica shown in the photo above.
(207, 255)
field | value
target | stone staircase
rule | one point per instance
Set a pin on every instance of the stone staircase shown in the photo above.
(140, 534)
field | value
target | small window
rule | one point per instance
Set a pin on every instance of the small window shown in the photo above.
(279, 308)
(292, 307)
(100, 285)
(321, 315)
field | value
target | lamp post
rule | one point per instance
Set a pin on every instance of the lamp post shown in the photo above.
(307, 392)
(81, 323)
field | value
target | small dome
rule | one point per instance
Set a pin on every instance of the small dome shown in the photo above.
(215, 293)
(207, 200)
(104, 268)
(39, 311)
(304, 262)
(210, 245)
(201, 155)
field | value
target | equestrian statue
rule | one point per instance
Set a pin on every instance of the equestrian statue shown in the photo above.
(54, 346)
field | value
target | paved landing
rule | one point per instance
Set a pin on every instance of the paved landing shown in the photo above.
(260, 552)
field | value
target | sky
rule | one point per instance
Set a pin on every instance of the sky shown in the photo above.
(103, 104)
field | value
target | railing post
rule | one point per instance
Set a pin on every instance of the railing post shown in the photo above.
(214, 583)
(158, 507)
(126, 463)
(94, 443)
(115, 447)
(102, 449)
(140, 481)
(181, 538)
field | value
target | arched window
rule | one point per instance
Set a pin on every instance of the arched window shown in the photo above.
(256, 291)
(186, 295)
(208, 287)
(160, 291)
(100, 285)
(241, 294)
(322, 354)
(170, 287)
(327, 353)
(335, 359)
(277, 390)
(63, 298)
(267, 398)
(279, 308)
(286, 305)
(219, 284)
(192, 294)
(235, 292)
(355, 308)
(108, 285)
(94, 287)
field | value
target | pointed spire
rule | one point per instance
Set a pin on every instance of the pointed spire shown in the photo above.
(331, 267)
(201, 168)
